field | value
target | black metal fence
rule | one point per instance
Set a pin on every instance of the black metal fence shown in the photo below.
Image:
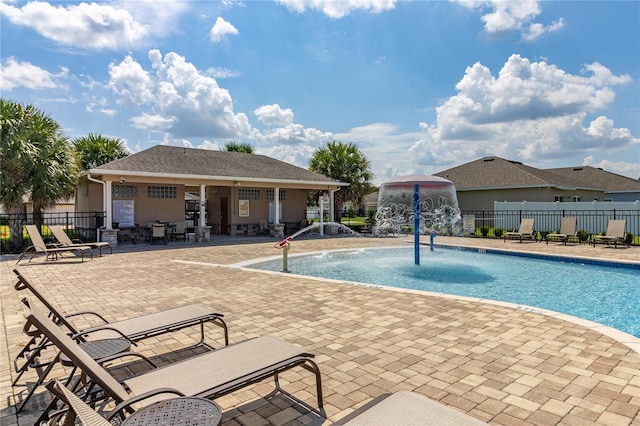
(82, 225)
(588, 221)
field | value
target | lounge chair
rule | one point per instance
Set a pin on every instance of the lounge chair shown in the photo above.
(404, 408)
(137, 328)
(65, 241)
(614, 234)
(567, 231)
(525, 232)
(51, 252)
(210, 375)
(133, 329)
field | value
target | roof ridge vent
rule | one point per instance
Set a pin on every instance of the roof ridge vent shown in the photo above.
(488, 159)
(577, 169)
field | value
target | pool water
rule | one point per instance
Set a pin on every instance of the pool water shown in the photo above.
(604, 294)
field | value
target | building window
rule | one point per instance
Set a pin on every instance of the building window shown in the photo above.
(282, 194)
(577, 199)
(157, 191)
(557, 198)
(124, 191)
(248, 194)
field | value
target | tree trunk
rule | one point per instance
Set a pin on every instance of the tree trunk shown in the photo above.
(16, 220)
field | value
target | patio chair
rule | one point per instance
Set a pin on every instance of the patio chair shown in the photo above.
(158, 232)
(227, 369)
(64, 240)
(180, 231)
(567, 231)
(405, 408)
(525, 232)
(264, 228)
(614, 235)
(133, 330)
(50, 251)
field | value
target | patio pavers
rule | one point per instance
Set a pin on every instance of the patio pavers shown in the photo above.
(499, 364)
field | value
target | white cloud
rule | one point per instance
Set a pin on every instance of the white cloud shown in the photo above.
(221, 29)
(273, 115)
(85, 25)
(620, 167)
(185, 101)
(339, 9)
(152, 122)
(531, 111)
(24, 74)
(537, 30)
(131, 82)
(221, 73)
(507, 15)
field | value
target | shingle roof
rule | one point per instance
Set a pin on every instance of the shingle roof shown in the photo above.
(171, 160)
(496, 172)
(599, 178)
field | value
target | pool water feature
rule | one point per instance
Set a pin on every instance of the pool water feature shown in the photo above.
(604, 294)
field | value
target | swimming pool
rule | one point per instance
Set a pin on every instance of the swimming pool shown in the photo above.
(604, 294)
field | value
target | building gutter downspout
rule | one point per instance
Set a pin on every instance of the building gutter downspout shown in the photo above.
(105, 199)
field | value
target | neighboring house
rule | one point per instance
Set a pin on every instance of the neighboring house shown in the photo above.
(616, 187)
(233, 191)
(483, 181)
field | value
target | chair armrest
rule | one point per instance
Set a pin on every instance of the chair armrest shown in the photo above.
(126, 354)
(126, 405)
(76, 314)
(101, 328)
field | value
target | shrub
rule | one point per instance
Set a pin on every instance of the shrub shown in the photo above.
(498, 232)
(484, 231)
(582, 235)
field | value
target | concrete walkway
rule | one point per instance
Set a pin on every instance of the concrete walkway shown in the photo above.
(503, 365)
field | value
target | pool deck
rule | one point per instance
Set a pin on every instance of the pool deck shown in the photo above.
(499, 363)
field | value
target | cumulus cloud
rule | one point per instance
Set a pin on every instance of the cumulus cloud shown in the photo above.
(85, 25)
(221, 29)
(97, 26)
(24, 74)
(339, 9)
(621, 167)
(531, 110)
(518, 16)
(180, 99)
(273, 115)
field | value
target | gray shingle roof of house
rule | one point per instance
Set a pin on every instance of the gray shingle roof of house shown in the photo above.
(171, 160)
(496, 172)
(599, 178)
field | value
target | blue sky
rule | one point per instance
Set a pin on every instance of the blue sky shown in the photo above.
(418, 86)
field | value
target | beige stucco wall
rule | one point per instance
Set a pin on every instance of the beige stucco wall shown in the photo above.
(293, 206)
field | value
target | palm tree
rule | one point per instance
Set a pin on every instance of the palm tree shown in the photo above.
(35, 160)
(95, 150)
(238, 147)
(346, 163)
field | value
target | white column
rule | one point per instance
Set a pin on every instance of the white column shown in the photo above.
(203, 203)
(331, 206)
(321, 214)
(108, 204)
(276, 196)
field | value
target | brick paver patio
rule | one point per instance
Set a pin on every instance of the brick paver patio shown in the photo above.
(502, 365)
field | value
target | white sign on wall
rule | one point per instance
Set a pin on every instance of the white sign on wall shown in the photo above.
(123, 212)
